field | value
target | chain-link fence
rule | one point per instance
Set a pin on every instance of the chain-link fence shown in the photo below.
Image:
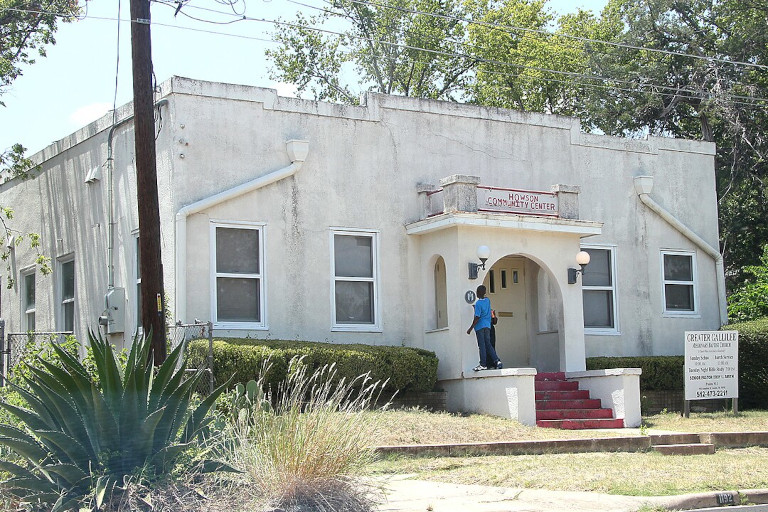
(14, 347)
(183, 334)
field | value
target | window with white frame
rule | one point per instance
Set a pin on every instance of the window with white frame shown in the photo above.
(67, 294)
(599, 291)
(28, 301)
(679, 282)
(238, 288)
(355, 280)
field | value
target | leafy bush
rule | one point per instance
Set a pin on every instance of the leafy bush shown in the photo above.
(753, 371)
(659, 372)
(750, 300)
(665, 373)
(304, 452)
(84, 438)
(405, 368)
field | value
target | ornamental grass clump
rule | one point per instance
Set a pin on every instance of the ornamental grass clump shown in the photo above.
(306, 444)
(85, 434)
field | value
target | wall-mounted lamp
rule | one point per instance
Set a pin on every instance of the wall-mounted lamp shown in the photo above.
(582, 258)
(483, 253)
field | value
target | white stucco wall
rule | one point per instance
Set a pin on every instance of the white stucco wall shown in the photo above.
(362, 171)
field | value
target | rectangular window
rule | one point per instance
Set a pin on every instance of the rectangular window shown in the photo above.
(599, 291)
(355, 280)
(679, 282)
(238, 290)
(503, 279)
(491, 281)
(28, 301)
(67, 295)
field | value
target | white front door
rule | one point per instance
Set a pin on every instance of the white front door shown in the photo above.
(505, 283)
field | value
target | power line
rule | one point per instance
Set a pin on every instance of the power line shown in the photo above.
(683, 93)
(509, 28)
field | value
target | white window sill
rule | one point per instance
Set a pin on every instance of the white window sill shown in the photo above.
(356, 328)
(680, 314)
(601, 332)
(240, 326)
(441, 329)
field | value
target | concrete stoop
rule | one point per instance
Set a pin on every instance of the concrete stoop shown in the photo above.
(681, 444)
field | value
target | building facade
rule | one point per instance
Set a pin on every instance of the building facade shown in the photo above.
(295, 219)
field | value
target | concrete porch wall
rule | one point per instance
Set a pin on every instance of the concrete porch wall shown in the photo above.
(617, 388)
(508, 393)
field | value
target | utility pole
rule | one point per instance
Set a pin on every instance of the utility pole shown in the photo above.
(152, 296)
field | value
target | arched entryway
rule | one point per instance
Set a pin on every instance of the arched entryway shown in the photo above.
(529, 307)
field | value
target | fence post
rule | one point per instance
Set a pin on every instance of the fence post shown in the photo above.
(210, 356)
(3, 354)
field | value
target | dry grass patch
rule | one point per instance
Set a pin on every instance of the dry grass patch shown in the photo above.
(632, 474)
(404, 427)
(747, 421)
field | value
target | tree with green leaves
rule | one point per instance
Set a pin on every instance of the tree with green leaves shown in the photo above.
(405, 47)
(695, 69)
(26, 28)
(522, 65)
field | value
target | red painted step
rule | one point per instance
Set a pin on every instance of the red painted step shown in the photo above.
(566, 414)
(579, 394)
(561, 404)
(556, 385)
(550, 376)
(576, 424)
(592, 403)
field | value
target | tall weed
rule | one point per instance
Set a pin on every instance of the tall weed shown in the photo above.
(304, 450)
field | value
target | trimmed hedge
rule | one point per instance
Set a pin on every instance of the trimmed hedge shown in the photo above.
(753, 363)
(408, 369)
(665, 373)
(659, 372)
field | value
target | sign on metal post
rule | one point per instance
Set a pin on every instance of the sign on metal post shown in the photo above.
(711, 365)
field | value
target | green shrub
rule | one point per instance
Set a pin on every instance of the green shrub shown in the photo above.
(405, 368)
(750, 300)
(665, 373)
(84, 439)
(660, 373)
(753, 363)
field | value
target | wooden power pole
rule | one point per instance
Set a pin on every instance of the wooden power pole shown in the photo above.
(152, 297)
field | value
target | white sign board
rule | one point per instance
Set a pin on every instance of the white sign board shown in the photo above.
(525, 202)
(711, 364)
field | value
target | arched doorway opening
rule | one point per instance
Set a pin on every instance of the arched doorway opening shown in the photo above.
(529, 306)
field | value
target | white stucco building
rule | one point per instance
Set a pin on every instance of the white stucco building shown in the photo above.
(295, 219)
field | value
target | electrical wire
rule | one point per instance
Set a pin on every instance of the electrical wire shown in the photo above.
(691, 93)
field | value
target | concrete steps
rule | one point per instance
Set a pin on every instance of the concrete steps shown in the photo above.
(561, 404)
(681, 444)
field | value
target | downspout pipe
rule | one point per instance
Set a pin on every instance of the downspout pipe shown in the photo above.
(643, 187)
(110, 194)
(297, 152)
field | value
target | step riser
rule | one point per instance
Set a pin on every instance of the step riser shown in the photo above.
(556, 385)
(562, 395)
(578, 414)
(580, 424)
(685, 449)
(568, 404)
(550, 376)
(662, 439)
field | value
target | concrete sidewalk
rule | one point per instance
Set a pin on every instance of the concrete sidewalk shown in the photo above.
(406, 495)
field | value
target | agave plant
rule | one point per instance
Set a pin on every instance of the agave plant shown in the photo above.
(86, 433)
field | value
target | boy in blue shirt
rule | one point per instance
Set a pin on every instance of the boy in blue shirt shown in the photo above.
(482, 326)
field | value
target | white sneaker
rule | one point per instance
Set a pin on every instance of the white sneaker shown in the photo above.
(479, 367)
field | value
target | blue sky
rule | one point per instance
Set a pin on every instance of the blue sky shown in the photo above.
(75, 83)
